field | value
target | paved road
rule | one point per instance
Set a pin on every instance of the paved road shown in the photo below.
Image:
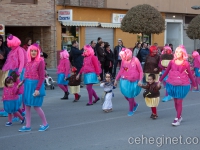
(75, 126)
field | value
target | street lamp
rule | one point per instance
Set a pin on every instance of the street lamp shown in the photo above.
(195, 7)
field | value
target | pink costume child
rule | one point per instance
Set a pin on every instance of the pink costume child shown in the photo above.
(165, 58)
(17, 58)
(196, 65)
(34, 90)
(130, 76)
(178, 82)
(91, 69)
(63, 72)
(15, 75)
(11, 99)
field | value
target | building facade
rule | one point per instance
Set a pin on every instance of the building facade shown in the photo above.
(34, 19)
(90, 19)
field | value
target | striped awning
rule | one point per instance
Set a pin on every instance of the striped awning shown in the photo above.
(81, 23)
(110, 25)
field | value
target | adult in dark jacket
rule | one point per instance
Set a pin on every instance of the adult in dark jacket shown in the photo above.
(117, 59)
(101, 56)
(3, 56)
(93, 45)
(143, 53)
(76, 57)
(109, 59)
(99, 39)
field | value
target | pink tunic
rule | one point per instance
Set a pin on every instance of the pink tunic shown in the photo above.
(91, 64)
(17, 59)
(196, 62)
(131, 70)
(12, 93)
(64, 67)
(35, 70)
(178, 74)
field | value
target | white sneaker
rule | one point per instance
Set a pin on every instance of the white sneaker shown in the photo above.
(181, 119)
(176, 122)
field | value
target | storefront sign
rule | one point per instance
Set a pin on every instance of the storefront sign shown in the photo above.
(117, 18)
(2, 29)
(65, 15)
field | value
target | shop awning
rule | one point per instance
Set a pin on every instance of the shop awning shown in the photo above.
(81, 23)
(110, 25)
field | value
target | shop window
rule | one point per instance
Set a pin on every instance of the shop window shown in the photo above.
(24, 1)
(188, 19)
(146, 38)
(69, 34)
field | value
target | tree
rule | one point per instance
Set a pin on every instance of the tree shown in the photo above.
(193, 31)
(143, 19)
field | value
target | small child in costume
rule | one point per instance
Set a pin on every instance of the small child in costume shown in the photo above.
(11, 101)
(152, 94)
(63, 72)
(108, 85)
(16, 79)
(196, 66)
(74, 84)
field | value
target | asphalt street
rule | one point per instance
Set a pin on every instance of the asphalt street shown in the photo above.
(75, 126)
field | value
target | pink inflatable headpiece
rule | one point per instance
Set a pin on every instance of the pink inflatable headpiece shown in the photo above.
(183, 50)
(167, 50)
(13, 41)
(125, 54)
(33, 47)
(88, 51)
(195, 54)
(64, 54)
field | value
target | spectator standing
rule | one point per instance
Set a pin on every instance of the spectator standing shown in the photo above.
(101, 56)
(109, 59)
(117, 58)
(171, 45)
(137, 49)
(93, 45)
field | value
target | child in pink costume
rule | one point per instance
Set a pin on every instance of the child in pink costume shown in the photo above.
(15, 75)
(17, 58)
(11, 99)
(34, 90)
(91, 69)
(165, 58)
(178, 82)
(130, 76)
(196, 65)
(63, 72)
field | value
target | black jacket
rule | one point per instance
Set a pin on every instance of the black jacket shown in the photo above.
(109, 58)
(4, 52)
(116, 52)
(76, 57)
(101, 54)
